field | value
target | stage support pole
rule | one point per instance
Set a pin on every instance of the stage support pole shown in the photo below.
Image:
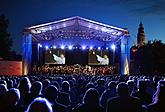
(38, 54)
(26, 53)
(114, 57)
(125, 54)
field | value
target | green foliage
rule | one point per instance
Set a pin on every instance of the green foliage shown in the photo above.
(5, 40)
(150, 59)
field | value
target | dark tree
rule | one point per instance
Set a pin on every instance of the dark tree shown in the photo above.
(150, 58)
(5, 40)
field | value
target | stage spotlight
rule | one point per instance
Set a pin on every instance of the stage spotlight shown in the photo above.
(91, 47)
(62, 46)
(54, 47)
(99, 48)
(113, 47)
(83, 47)
(46, 47)
(39, 45)
(70, 47)
(106, 48)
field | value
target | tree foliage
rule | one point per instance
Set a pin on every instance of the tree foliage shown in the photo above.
(150, 58)
(5, 40)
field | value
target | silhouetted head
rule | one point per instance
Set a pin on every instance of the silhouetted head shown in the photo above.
(12, 96)
(65, 86)
(40, 105)
(9, 84)
(36, 88)
(142, 85)
(131, 85)
(71, 83)
(45, 83)
(101, 82)
(112, 85)
(24, 85)
(122, 89)
(161, 83)
(80, 81)
(51, 93)
(160, 95)
(90, 85)
(3, 82)
(56, 84)
(155, 79)
(91, 97)
(3, 89)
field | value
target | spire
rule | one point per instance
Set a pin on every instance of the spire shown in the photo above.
(141, 24)
(140, 35)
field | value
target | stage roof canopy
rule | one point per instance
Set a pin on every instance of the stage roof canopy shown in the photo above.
(75, 27)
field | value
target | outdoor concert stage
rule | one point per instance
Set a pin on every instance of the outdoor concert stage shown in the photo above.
(76, 40)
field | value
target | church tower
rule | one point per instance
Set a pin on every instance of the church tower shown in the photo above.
(140, 35)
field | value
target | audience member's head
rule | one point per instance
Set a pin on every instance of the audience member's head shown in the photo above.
(155, 79)
(71, 83)
(122, 89)
(131, 85)
(24, 85)
(9, 84)
(91, 97)
(89, 85)
(100, 82)
(161, 83)
(51, 93)
(65, 86)
(112, 85)
(45, 83)
(142, 85)
(56, 85)
(36, 88)
(160, 95)
(40, 105)
(3, 89)
(3, 82)
(12, 96)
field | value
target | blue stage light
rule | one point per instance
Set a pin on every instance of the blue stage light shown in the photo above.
(62, 47)
(46, 47)
(54, 47)
(91, 47)
(70, 47)
(83, 47)
(39, 45)
(107, 48)
(99, 48)
(113, 47)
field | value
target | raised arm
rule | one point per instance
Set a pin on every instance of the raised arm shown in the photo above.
(56, 58)
(99, 58)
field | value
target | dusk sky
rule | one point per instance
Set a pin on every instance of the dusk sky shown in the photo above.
(121, 13)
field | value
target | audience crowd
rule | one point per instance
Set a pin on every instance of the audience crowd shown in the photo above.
(82, 93)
